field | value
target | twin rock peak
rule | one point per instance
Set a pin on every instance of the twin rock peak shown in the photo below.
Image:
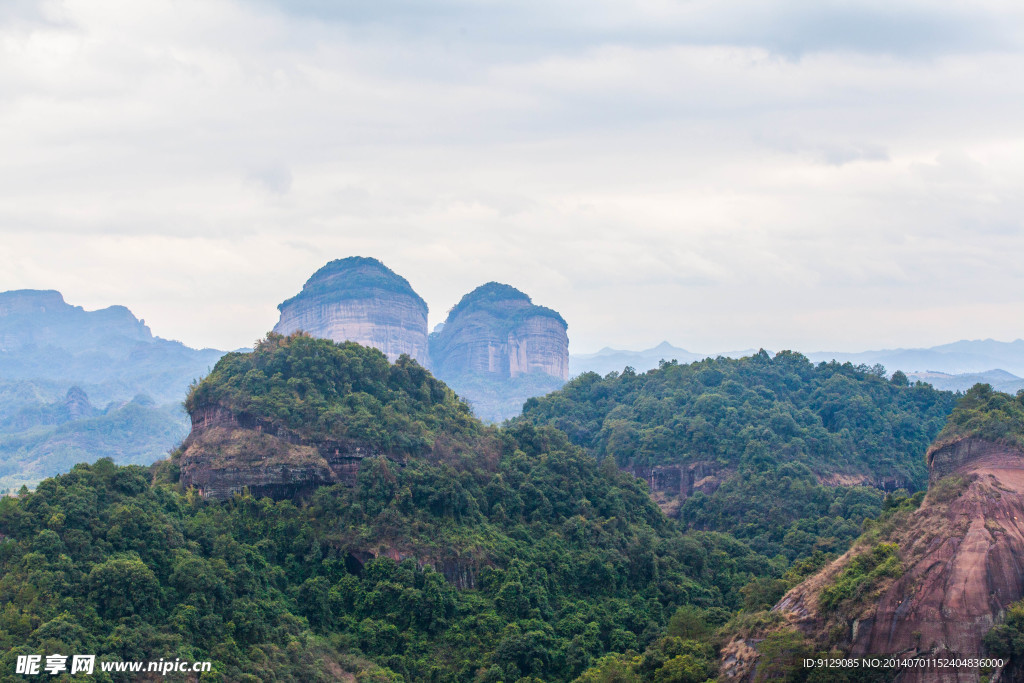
(496, 347)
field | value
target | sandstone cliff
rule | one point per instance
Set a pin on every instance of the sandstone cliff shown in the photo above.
(956, 565)
(497, 331)
(362, 300)
(497, 349)
(226, 453)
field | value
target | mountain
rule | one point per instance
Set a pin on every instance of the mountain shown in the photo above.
(77, 384)
(299, 412)
(109, 353)
(1000, 380)
(497, 348)
(362, 300)
(449, 551)
(613, 360)
(957, 358)
(764, 447)
(955, 365)
(932, 579)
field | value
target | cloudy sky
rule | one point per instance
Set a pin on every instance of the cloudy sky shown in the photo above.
(717, 173)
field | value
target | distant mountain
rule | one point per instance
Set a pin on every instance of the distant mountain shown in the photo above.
(999, 379)
(967, 359)
(497, 349)
(60, 363)
(614, 360)
(957, 358)
(110, 353)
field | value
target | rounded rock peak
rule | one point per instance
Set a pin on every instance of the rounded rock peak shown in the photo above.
(498, 298)
(355, 277)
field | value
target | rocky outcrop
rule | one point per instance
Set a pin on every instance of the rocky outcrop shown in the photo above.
(497, 331)
(671, 485)
(960, 566)
(967, 455)
(497, 349)
(362, 300)
(226, 453)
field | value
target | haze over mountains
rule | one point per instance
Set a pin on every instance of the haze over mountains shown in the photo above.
(955, 367)
(68, 376)
(76, 385)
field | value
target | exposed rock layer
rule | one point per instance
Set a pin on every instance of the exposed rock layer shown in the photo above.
(671, 485)
(497, 331)
(961, 554)
(225, 453)
(361, 300)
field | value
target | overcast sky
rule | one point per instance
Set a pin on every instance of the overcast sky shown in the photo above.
(720, 174)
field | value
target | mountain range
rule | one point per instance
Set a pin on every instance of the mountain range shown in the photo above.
(955, 367)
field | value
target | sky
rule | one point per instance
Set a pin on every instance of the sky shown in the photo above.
(721, 174)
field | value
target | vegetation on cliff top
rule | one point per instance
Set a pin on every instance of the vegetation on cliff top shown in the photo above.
(324, 390)
(986, 414)
(354, 277)
(493, 298)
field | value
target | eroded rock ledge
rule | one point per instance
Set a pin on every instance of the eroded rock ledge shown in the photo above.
(226, 453)
(961, 563)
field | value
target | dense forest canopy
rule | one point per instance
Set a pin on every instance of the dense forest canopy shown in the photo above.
(322, 389)
(776, 428)
(539, 562)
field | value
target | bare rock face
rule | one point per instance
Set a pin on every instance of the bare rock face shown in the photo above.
(497, 349)
(362, 300)
(226, 453)
(961, 558)
(671, 485)
(497, 331)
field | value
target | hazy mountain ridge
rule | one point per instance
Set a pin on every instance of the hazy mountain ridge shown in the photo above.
(59, 363)
(954, 367)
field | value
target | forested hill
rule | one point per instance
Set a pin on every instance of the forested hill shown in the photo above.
(459, 552)
(834, 418)
(767, 448)
(527, 560)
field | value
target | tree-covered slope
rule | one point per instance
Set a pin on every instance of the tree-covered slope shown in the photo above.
(321, 389)
(786, 439)
(459, 552)
(569, 561)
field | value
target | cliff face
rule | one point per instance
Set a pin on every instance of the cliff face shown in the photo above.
(671, 485)
(497, 349)
(497, 331)
(361, 300)
(960, 565)
(225, 453)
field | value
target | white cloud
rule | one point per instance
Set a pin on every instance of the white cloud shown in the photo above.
(722, 175)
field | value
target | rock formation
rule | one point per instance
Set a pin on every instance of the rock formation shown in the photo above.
(959, 559)
(226, 453)
(362, 300)
(671, 485)
(497, 349)
(496, 331)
